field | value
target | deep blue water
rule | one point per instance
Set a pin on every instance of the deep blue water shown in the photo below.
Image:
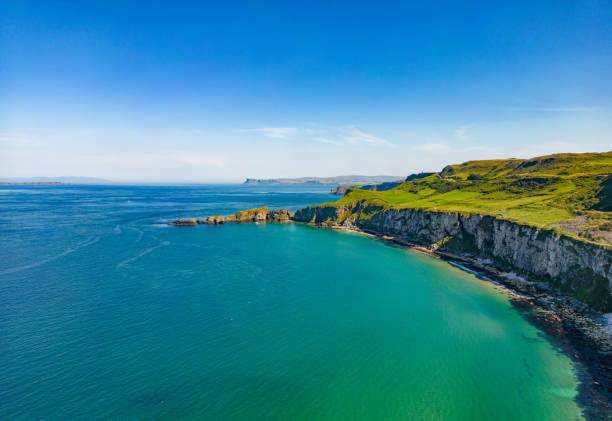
(106, 312)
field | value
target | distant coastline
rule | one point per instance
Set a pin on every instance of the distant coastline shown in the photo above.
(341, 179)
(34, 183)
(51, 181)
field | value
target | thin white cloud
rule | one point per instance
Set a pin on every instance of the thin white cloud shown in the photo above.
(462, 131)
(352, 136)
(326, 140)
(347, 135)
(275, 132)
(433, 148)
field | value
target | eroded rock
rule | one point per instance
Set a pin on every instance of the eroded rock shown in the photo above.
(186, 222)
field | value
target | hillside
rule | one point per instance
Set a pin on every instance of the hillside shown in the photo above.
(569, 193)
(342, 190)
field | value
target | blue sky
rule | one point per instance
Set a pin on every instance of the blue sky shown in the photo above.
(220, 91)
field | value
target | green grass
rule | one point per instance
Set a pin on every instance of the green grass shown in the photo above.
(569, 193)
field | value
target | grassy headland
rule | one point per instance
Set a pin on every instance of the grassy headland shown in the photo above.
(569, 193)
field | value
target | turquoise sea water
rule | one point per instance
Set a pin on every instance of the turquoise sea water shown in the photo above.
(108, 313)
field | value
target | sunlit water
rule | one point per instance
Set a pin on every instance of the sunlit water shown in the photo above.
(108, 313)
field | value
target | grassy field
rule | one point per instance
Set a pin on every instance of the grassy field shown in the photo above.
(571, 193)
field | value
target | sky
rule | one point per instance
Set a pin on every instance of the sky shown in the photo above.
(220, 91)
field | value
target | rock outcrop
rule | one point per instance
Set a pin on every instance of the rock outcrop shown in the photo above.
(579, 268)
(184, 222)
(213, 220)
(250, 215)
(279, 215)
(341, 190)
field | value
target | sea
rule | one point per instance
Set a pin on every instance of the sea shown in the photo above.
(108, 313)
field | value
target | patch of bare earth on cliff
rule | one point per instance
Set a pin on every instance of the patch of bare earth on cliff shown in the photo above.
(574, 225)
(605, 236)
(595, 226)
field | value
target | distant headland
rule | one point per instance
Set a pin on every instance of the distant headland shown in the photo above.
(33, 183)
(51, 181)
(341, 179)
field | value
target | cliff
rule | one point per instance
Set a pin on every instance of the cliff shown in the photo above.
(548, 218)
(578, 268)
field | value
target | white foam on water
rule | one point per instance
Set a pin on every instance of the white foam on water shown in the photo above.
(139, 233)
(141, 254)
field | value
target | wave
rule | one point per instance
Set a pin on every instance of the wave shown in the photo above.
(143, 253)
(480, 275)
(139, 233)
(85, 243)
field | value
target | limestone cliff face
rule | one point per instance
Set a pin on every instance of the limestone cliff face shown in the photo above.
(576, 267)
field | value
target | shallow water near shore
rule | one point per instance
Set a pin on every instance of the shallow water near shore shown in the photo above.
(107, 312)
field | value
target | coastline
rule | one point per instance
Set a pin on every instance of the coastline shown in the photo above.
(571, 326)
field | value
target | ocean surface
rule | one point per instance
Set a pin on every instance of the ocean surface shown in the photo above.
(106, 313)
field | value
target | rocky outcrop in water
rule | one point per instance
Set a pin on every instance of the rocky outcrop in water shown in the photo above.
(250, 215)
(184, 222)
(575, 267)
(213, 220)
(280, 215)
